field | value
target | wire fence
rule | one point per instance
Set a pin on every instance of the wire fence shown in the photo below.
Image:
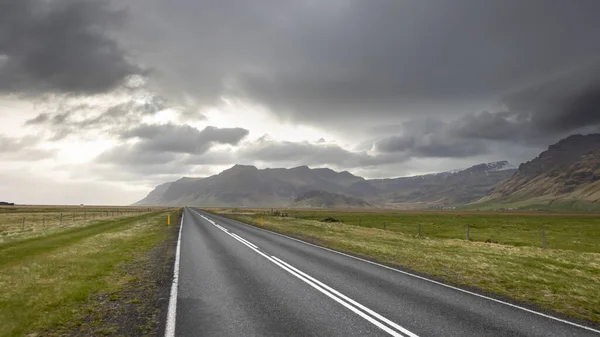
(21, 222)
(576, 232)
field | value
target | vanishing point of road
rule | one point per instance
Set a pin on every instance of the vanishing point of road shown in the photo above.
(233, 279)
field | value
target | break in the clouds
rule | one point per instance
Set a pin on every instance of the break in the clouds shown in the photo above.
(146, 90)
(104, 113)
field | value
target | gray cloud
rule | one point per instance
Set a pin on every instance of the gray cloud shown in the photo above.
(11, 144)
(407, 80)
(165, 155)
(22, 149)
(306, 153)
(110, 113)
(344, 61)
(487, 125)
(182, 138)
(563, 104)
(162, 149)
(539, 114)
(60, 46)
(429, 138)
(129, 155)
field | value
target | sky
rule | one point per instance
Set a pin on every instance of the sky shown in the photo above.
(102, 100)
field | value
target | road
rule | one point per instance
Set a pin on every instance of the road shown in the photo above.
(238, 280)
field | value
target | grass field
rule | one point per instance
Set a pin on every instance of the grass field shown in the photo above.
(564, 278)
(48, 281)
(19, 222)
(537, 204)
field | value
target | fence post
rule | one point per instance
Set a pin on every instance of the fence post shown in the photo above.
(23, 224)
(43, 221)
(61, 219)
(420, 230)
(467, 232)
(543, 238)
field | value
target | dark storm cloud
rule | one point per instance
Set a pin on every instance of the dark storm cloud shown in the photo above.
(182, 138)
(564, 104)
(306, 153)
(488, 125)
(165, 149)
(323, 61)
(541, 113)
(167, 143)
(60, 46)
(429, 138)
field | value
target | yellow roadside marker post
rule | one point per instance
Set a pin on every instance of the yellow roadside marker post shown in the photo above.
(168, 219)
(261, 222)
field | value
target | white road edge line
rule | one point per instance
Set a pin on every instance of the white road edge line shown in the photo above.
(172, 311)
(299, 274)
(426, 279)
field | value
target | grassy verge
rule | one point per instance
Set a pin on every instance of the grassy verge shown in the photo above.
(577, 232)
(20, 222)
(560, 280)
(58, 283)
(537, 204)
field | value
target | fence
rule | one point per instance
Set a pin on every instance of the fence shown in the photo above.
(577, 232)
(14, 223)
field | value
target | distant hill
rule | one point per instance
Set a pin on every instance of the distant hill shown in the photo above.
(323, 199)
(243, 185)
(155, 197)
(444, 189)
(566, 176)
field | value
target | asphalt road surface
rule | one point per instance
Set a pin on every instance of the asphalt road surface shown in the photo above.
(236, 280)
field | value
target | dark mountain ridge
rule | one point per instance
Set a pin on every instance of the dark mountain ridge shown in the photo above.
(567, 173)
(244, 185)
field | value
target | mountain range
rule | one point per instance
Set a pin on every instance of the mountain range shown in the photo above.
(247, 186)
(566, 176)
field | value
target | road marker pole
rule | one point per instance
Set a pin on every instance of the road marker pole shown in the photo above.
(467, 232)
(543, 238)
(261, 222)
(23, 225)
(168, 219)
